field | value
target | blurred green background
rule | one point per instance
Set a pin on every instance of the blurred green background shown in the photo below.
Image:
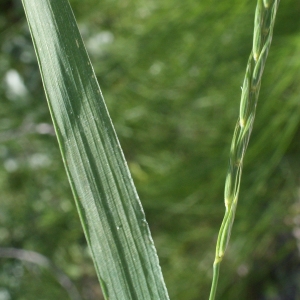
(170, 72)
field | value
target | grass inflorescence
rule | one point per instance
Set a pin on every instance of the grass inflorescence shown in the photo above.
(263, 31)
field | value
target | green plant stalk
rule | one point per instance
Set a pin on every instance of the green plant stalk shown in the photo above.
(265, 15)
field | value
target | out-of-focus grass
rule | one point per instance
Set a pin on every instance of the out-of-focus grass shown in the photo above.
(173, 96)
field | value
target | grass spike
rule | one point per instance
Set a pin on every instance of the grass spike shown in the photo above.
(264, 21)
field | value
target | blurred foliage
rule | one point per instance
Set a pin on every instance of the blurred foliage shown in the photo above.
(170, 72)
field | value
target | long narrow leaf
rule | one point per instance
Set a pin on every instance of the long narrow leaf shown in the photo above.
(110, 211)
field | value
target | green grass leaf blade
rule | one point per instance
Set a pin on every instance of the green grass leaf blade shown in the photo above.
(111, 213)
